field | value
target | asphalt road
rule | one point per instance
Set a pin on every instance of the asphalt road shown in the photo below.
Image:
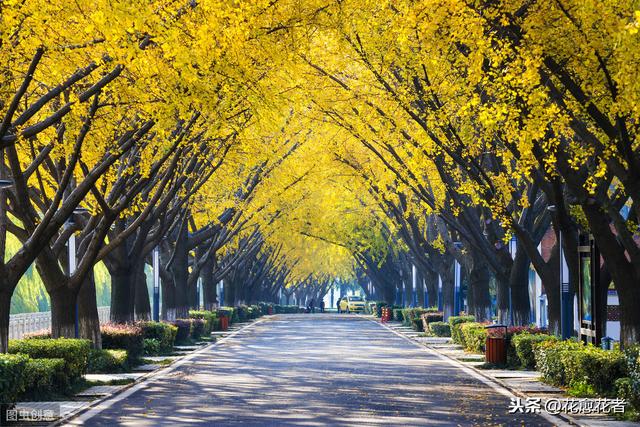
(314, 370)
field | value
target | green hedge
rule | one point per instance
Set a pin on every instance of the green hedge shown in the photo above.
(629, 387)
(116, 336)
(183, 336)
(108, 361)
(208, 316)
(474, 336)
(440, 329)
(411, 317)
(524, 345)
(198, 328)
(397, 314)
(455, 322)
(569, 363)
(12, 376)
(163, 333)
(44, 377)
(75, 353)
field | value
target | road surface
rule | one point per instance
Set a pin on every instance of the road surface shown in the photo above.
(313, 370)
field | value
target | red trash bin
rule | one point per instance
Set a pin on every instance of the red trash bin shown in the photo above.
(224, 323)
(495, 350)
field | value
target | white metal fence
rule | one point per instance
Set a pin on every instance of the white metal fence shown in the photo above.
(25, 323)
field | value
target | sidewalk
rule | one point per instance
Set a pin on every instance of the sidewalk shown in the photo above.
(523, 384)
(106, 386)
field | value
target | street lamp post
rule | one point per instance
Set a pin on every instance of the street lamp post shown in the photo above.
(439, 293)
(415, 286)
(566, 303)
(73, 263)
(198, 292)
(513, 248)
(156, 284)
(457, 279)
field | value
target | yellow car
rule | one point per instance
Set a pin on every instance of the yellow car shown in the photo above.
(351, 304)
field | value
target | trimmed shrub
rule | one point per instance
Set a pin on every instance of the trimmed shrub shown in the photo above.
(208, 316)
(429, 317)
(455, 322)
(198, 327)
(596, 367)
(75, 353)
(411, 317)
(44, 377)
(567, 363)
(474, 336)
(164, 333)
(124, 336)
(629, 387)
(151, 346)
(12, 378)
(524, 346)
(440, 329)
(184, 330)
(107, 361)
(397, 314)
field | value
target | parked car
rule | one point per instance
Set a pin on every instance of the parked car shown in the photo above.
(351, 304)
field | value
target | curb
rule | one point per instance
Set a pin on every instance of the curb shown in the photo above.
(140, 383)
(559, 419)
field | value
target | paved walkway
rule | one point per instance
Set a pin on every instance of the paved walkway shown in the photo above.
(314, 370)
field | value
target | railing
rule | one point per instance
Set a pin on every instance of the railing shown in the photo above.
(25, 323)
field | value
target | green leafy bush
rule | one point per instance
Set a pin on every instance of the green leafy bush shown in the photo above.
(75, 353)
(285, 309)
(440, 329)
(569, 362)
(397, 314)
(411, 317)
(474, 336)
(524, 346)
(183, 335)
(44, 377)
(107, 361)
(433, 316)
(164, 333)
(208, 316)
(455, 322)
(123, 336)
(151, 346)
(12, 376)
(629, 387)
(198, 327)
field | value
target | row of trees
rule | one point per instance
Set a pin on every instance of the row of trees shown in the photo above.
(281, 145)
(475, 122)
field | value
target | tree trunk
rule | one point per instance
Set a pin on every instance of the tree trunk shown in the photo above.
(168, 297)
(180, 274)
(5, 310)
(88, 312)
(502, 301)
(431, 282)
(519, 285)
(208, 284)
(420, 288)
(122, 295)
(480, 301)
(448, 292)
(63, 312)
(142, 303)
